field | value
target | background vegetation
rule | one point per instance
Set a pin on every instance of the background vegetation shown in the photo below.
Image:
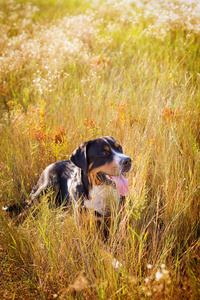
(71, 71)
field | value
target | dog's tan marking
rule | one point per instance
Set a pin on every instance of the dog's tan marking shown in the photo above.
(108, 168)
(93, 177)
(90, 166)
(107, 148)
(116, 145)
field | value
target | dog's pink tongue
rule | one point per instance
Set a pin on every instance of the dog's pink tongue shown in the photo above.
(121, 184)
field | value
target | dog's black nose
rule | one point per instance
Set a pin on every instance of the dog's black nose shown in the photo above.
(126, 164)
(126, 161)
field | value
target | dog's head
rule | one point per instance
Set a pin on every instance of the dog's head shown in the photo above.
(103, 161)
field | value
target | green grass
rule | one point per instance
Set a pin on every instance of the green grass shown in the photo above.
(71, 71)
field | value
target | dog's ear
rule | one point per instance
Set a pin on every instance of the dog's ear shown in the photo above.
(109, 137)
(79, 156)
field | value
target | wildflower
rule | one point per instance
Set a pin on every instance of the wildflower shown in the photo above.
(10, 104)
(79, 284)
(167, 112)
(159, 275)
(59, 135)
(116, 264)
(149, 266)
(152, 141)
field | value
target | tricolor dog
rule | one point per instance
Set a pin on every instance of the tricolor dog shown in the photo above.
(93, 166)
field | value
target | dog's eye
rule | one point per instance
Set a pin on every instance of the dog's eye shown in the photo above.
(105, 153)
(119, 148)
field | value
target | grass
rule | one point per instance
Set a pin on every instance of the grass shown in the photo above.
(71, 71)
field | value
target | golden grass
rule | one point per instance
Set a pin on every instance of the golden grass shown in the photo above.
(73, 71)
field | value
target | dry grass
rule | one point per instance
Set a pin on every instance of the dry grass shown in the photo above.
(74, 71)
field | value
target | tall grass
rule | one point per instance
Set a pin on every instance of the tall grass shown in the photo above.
(71, 71)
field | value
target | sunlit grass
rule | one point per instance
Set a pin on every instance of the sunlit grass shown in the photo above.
(71, 71)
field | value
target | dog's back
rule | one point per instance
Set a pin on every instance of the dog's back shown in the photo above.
(64, 178)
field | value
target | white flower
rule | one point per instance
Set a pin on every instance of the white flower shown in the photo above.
(149, 266)
(159, 275)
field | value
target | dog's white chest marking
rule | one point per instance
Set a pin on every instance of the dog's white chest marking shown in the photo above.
(99, 196)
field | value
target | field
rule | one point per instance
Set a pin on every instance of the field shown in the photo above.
(71, 71)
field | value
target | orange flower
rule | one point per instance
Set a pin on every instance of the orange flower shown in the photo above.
(167, 112)
(59, 135)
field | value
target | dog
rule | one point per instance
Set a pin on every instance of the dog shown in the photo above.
(93, 168)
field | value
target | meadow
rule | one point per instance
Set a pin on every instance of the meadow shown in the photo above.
(71, 71)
